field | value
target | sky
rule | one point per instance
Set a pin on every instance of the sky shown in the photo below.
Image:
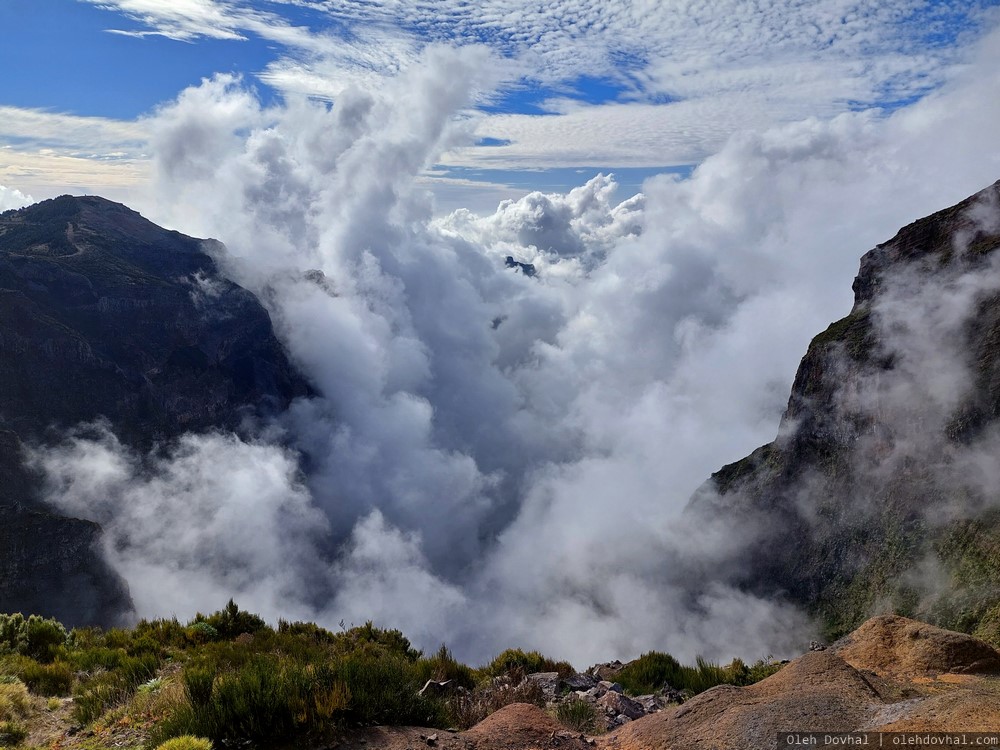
(672, 80)
(493, 459)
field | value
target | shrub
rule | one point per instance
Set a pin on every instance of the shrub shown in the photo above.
(578, 715)
(35, 636)
(12, 733)
(13, 635)
(165, 632)
(655, 670)
(112, 688)
(43, 637)
(370, 639)
(231, 622)
(46, 679)
(198, 682)
(200, 632)
(90, 703)
(514, 661)
(308, 630)
(186, 742)
(14, 701)
(269, 697)
(444, 666)
(383, 690)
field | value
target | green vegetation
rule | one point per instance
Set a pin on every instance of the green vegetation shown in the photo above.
(854, 331)
(186, 742)
(229, 679)
(578, 715)
(526, 662)
(654, 670)
(12, 733)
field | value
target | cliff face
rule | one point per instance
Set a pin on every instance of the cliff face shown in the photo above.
(882, 490)
(105, 315)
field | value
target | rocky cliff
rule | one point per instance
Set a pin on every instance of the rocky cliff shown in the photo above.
(104, 315)
(882, 489)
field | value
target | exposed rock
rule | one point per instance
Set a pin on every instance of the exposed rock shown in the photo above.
(606, 671)
(578, 681)
(528, 269)
(893, 645)
(52, 565)
(547, 681)
(105, 315)
(864, 480)
(616, 704)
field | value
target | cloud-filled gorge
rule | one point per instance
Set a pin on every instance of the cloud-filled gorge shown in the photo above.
(494, 459)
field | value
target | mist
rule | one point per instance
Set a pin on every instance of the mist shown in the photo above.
(495, 459)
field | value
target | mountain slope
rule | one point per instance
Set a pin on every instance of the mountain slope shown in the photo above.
(104, 315)
(882, 489)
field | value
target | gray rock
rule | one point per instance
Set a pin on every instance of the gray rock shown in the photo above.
(547, 681)
(578, 681)
(616, 704)
(606, 671)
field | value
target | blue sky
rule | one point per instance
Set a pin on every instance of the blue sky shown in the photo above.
(630, 87)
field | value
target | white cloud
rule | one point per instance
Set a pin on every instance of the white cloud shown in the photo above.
(212, 518)
(51, 153)
(183, 19)
(511, 454)
(722, 67)
(11, 198)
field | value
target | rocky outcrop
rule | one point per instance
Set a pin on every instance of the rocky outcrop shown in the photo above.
(104, 315)
(52, 565)
(878, 493)
(835, 690)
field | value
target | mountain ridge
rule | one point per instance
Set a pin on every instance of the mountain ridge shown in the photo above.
(863, 484)
(106, 316)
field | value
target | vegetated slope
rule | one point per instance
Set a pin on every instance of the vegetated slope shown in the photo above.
(882, 489)
(104, 315)
(232, 679)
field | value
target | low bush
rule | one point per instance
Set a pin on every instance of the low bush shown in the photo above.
(372, 640)
(12, 733)
(46, 679)
(14, 700)
(186, 742)
(383, 690)
(35, 637)
(577, 715)
(443, 666)
(113, 687)
(231, 622)
(655, 670)
(516, 662)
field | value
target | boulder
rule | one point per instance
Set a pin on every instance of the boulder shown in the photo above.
(616, 704)
(578, 681)
(547, 681)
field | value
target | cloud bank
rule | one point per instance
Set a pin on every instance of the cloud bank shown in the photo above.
(10, 198)
(500, 459)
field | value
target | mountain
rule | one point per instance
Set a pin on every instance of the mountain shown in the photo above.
(882, 490)
(104, 315)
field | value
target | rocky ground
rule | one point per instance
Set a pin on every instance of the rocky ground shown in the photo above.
(891, 674)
